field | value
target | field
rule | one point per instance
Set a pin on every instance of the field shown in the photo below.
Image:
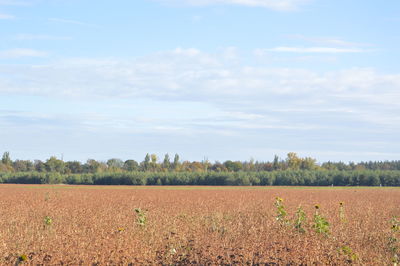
(199, 225)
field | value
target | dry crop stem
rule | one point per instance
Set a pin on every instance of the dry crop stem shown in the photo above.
(199, 226)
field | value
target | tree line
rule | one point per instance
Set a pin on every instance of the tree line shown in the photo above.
(151, 163)
(292, 170)
(262, 178)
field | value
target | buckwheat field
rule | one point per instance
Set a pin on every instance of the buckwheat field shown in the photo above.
(198, 225)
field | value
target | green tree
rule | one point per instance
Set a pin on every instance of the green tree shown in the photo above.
(218, 167)
(249, 166)
(176, 163)
(233, 166)
(39, 166)
(153, 163)
(308, 163)
(54, 165)
(329, 166)
(6, 158)
(92, 166)
(23, 166)
(145, 165)
(275, 164)
(153, 158)
(115, 164)
(74, 167)
(293, 161)
(131, 165)
(166, 163)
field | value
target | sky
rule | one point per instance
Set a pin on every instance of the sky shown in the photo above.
(207, 79)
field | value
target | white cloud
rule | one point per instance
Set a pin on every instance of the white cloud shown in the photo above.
(70, 21)
(278, 5)
(329, 50)
(30, 37)
(14, 3)
(329, 41)
(6, 16)
(21, 52)
(187, 52)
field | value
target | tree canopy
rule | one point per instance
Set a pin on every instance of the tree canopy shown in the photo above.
(292, 170)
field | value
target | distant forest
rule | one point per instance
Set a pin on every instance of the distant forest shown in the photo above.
(290, 171)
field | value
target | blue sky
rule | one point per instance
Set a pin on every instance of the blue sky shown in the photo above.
(215, 79)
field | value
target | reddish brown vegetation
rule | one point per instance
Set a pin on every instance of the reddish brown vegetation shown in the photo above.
(220, 226)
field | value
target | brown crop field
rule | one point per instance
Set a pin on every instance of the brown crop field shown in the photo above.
(197, 225)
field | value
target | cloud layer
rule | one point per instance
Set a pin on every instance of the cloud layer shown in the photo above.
(192, 75)
(278, 5)
(318, 50)
(21, 52)
(40, 37)
(6, 16)
(215, 98)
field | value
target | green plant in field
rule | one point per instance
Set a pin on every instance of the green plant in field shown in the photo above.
(349, 253)
(342, 214)
(321, 225)
(22, 258)
(281, 211)
(394, 244)
(141, 219)
(300, 219)
(395, 225)
(48, 220)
